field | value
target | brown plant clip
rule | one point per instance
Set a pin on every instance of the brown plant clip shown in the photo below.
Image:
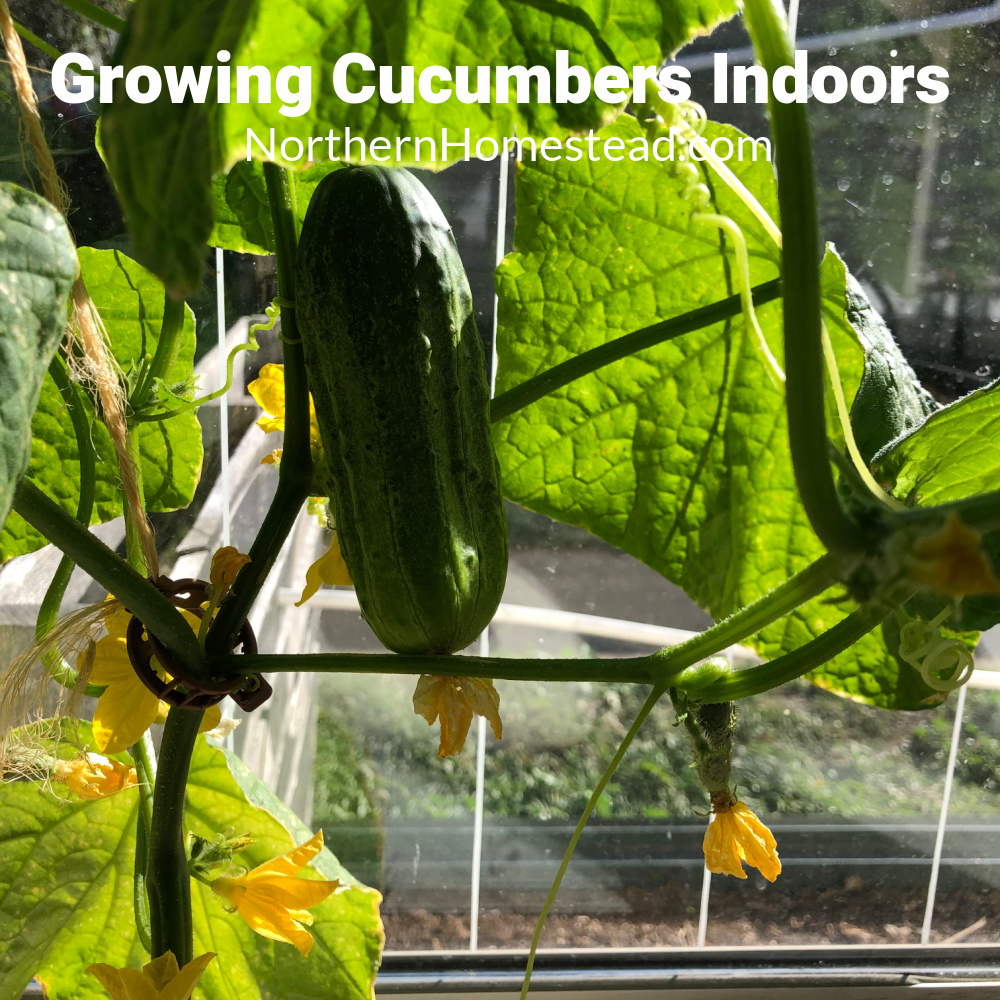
(182, 690)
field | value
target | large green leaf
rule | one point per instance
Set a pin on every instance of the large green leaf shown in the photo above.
(37, 270)
(130, 301)
(676, 454)
(65, 885)
(66, 894)
(679, 454)
(163, 155)
(955, 454)
(347, 930)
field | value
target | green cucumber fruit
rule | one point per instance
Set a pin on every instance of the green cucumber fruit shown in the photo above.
(398, 376)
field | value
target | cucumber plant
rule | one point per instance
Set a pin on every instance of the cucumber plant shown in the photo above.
(685, 370)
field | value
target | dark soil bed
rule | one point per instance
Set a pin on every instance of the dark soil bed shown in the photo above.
(837, 917)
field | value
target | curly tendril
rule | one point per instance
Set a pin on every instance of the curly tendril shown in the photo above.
(943, 664)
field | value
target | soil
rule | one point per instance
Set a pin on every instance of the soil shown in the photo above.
(844, 916)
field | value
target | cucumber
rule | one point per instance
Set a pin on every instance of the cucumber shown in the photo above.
(398, 376)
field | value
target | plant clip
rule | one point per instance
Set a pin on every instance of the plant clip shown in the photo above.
(184, 691)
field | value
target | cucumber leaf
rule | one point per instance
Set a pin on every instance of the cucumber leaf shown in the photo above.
(242, 211)
(347, 931)
(66, 894)
(163, 156)
(954, 455)
(678, 454)
(130, 301)
(890, 401)
(37, 270)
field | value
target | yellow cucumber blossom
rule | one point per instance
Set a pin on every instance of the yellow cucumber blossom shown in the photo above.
(127, 708)
(735, 835)
(226, 564)
(455, 700)
(952, 561)
(273, 900)
(268, 389)
(93, 776)
(330, 569)
(160, 979)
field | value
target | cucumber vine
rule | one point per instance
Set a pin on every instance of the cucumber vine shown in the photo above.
(880, 548)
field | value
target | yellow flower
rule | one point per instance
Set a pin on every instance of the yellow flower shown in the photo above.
(92, 776)
(273, 901)
(455, 700)
(330, 569)
(952, 561)
(736, 835)
(159, 980)
(127, 708)
(268, 389)
(226, 563)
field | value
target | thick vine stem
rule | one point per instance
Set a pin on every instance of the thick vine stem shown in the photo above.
(981, 512)
(534, 388)
(113, 573)
(801, 255)
(295, 471)
(167, 880)
(660, 668)
(167, 346)
(822, 649)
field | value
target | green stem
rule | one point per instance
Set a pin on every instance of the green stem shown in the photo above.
(168, 881)
(756, 680)
(802, 252)
(562, 374)
(981, 512)
(48, 612)
(39, 43)
(784, 599)
(194, 404)
(628, 669)
(133, 541)
(113, 573)
(145, 767)
(661, 667)
(96, 14)
(142, 755)
(140, 898)
(295, 471)
(167, 346)
(654, 697)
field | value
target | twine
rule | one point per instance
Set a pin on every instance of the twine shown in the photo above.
(97, 366)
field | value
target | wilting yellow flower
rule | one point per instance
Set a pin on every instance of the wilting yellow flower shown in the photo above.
(952, 561)
(226, 563)
(273, 900)
(268, 389)
(93, 776)
(330, 569)
(127, 708)
(735, 835)
(455, 700)
(160, 979)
